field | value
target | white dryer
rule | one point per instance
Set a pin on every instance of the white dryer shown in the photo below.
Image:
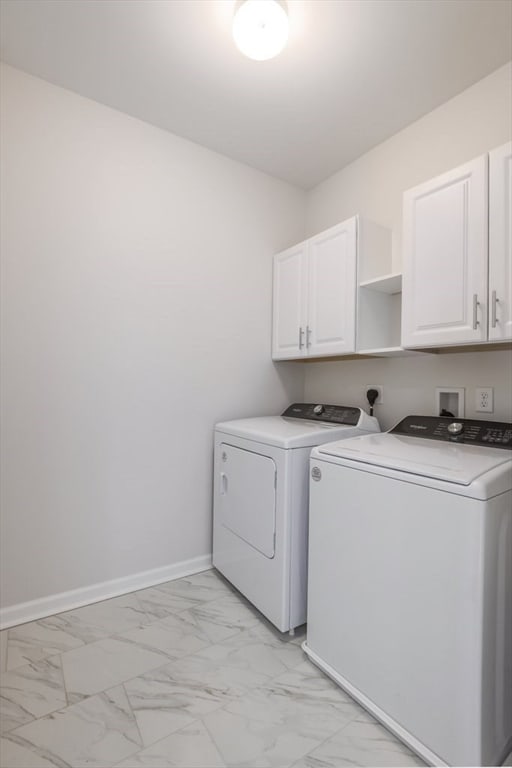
(410, 582)
(260, 513)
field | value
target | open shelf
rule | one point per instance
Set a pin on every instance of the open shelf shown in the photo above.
(386, 284)
(391, 352)
(379, 317)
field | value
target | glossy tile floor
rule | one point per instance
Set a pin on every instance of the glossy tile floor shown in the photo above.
(183, 674)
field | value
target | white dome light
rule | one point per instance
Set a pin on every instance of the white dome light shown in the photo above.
(260, 28)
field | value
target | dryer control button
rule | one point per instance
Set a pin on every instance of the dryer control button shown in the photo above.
(455, 428)
(318, 410)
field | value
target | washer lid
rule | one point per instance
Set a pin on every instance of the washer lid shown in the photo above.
(286, 433)
(452, 462)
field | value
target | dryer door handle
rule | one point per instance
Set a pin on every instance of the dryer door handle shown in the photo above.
(223, 483)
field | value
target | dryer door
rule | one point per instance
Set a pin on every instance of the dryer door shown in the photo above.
(248, 497)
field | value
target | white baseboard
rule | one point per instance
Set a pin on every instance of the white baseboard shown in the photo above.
(75, 598)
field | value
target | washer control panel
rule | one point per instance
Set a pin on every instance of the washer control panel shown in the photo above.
(336, 414)
(497, 434)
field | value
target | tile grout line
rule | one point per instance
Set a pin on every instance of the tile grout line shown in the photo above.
(45, 681)
(212, 737)
(328, 738)
(6, 651)
(158, 741)
(66, 692)
(134, 720)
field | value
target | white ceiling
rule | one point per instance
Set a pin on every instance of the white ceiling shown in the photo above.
(354, 71)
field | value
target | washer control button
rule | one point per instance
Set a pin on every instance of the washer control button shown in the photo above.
(455, 428)
(318, 410)
(316, 473)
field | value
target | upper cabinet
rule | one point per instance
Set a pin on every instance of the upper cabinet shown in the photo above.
(315, 290)
(332, 268)
(444, 290)
(290, 303)
(447, 298)
(500, 243)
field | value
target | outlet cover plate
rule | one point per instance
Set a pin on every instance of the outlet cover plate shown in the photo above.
(484, 400)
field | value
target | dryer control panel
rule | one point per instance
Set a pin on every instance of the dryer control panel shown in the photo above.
(336, 414)
(495, 434)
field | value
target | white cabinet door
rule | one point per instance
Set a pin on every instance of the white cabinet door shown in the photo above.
(444, 296)
(500, 243)
(332, 291)
(290, 303)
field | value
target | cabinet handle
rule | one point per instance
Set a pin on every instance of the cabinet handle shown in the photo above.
(494, 302)
(476, 304)
(301, 337)
(308, 336)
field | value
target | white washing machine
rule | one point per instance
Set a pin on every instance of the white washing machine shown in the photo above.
(260, 513)
(410, 582)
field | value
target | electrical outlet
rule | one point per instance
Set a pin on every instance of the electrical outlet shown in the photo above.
(484, 400)
(379, 390)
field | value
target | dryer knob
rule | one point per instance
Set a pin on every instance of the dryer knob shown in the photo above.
(455, 428)
(318, 410)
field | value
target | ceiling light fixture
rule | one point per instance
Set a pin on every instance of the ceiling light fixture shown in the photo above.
(260, 28)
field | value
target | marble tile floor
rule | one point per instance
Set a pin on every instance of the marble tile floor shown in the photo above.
(184, 674)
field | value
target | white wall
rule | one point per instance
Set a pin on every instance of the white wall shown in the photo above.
(136, 279)
(409, 383)
(464, 127)
(136, 301)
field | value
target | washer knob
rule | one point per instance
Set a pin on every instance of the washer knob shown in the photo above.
(455, 428)
(318, 410)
